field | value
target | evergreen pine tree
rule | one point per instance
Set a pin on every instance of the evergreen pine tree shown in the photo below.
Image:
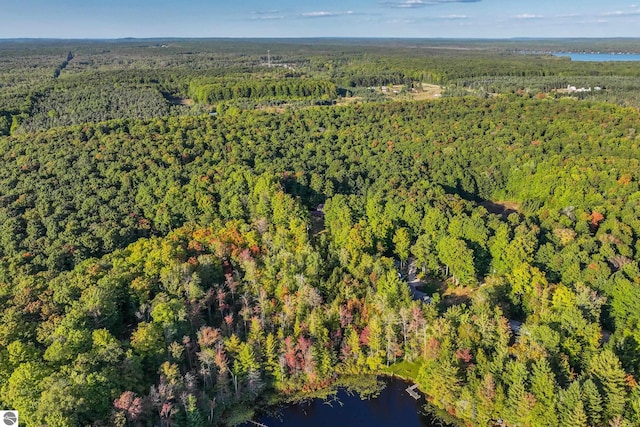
(577, 417)
(592, 402)
(607, 373)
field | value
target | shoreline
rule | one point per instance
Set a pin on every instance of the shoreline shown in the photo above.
(366, 386)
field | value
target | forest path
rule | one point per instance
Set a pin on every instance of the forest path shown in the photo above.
(413, 280)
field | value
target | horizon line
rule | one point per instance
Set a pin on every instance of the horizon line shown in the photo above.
(515, 38)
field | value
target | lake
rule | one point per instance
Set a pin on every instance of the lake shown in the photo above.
(392, 407)
(600, 57)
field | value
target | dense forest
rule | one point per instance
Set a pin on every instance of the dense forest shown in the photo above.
(191, 230)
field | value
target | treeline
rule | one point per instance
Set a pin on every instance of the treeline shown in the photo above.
(86, 190)
(212, 93)
(444, 67)
(99, 103)
(62, 66)
(376, 79)
(214, 71)
(624, 91)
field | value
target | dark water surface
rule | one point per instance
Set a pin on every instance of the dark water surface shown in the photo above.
(600, 57)
(393, 407)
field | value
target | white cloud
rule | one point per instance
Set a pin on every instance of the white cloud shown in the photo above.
(412, 4)
(528, 16)
(633, 12)
(569, 15)
(268, 15)
(409, 4)
(454, 17)
(325, 14)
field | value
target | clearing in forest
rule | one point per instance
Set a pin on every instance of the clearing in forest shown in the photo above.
(504, 208)
(428, 92)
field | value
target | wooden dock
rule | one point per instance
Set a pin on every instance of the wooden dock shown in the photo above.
(412, 391)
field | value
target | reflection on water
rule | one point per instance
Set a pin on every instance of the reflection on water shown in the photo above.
(393, 407)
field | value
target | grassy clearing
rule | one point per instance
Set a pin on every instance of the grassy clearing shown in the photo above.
(405, 369)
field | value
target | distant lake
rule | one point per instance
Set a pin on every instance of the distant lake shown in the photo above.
(600, 57)
(392, 407)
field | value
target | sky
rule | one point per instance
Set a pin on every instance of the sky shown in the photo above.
(321, 18)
